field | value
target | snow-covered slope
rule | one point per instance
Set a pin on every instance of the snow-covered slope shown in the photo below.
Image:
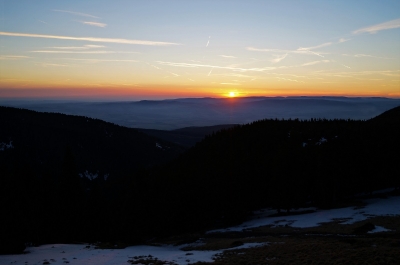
(375, 207)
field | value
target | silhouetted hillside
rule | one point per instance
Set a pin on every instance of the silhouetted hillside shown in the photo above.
(41, 139)
(391, 116)
(66, 178)
(284, 164)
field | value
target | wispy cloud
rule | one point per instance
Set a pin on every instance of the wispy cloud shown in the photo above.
(42, 21)
(52, 65)
(303, 51)
(217, 67)
(228, 56)
(318, 54)
(173, 74)
(315, 62)
(82, 52)
(364, 55)
(392, 24)
(75, 13)
(341, 40)
(98, 60)
(94, 46)
(395, 73)
(13, 57)
(208, 42)
(158, 68)
(311, 63)
(288, 79)
(85, 47)
(95, 24)
(235, 75)
(279, 58)
(315, 47)
(233, 84)
(91, 39)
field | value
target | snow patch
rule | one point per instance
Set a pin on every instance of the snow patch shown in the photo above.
(88, 175)
(321, 141)
(348, 215)
(4, 146)
(378, 229)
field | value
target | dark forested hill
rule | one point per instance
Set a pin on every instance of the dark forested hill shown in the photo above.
(62, 176)
(188, 136)
(284, 164)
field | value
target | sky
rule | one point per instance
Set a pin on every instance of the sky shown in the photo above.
(155, 49)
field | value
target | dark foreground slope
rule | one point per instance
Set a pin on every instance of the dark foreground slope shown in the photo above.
(280, 163)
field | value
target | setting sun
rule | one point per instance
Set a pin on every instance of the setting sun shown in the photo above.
(232, 94)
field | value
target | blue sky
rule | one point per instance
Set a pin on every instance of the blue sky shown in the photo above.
(195, 48)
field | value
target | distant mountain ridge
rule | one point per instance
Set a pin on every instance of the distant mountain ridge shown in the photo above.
(173, 114)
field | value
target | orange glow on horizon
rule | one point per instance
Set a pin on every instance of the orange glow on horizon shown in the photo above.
(157, 92)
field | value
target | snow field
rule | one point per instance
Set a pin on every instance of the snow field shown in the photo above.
(81, 254)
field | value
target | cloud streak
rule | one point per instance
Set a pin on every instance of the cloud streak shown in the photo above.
(315, 47)
(392, 24)
(315, 62)
(365, 55)
(75, 13)
(278, 59)
(95, 24)
(91, 39)
(13, 57)
(228, 56)
(288, 79)
(303, 51)
(232, 84)
(85, 47)
(217, 67)
(51, 65)
(98, 60)
(81, 52)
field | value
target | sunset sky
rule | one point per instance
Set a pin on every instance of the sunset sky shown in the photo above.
(149, 49)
